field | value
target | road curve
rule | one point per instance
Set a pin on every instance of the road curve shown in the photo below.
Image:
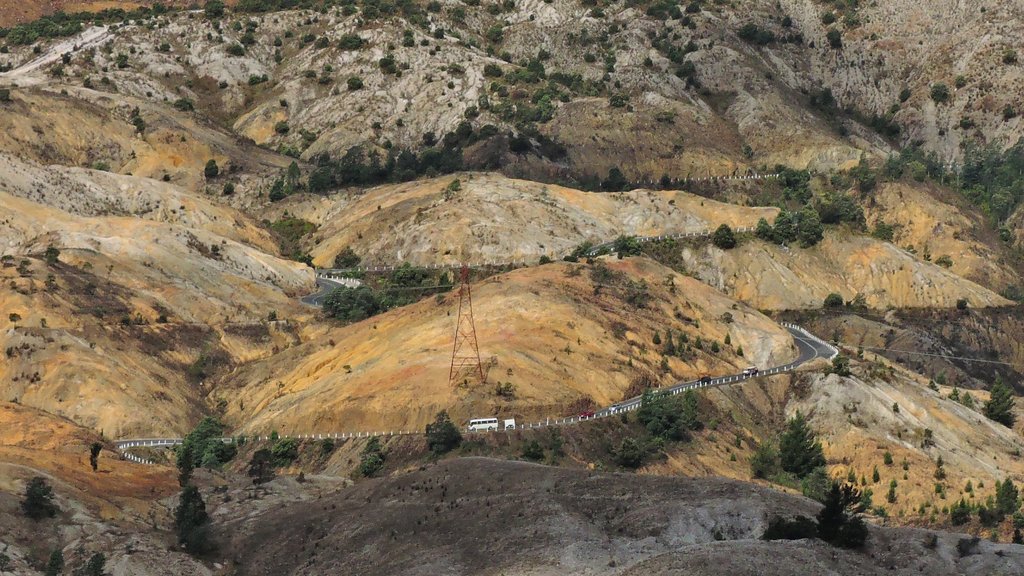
(326, 284)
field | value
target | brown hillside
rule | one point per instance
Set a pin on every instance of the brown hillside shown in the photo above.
(546, 329)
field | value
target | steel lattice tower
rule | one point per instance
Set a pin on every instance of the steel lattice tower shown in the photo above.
(466, 363)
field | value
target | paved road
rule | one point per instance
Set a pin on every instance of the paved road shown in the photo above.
(326, 284)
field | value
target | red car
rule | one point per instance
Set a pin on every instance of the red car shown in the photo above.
(587, 414)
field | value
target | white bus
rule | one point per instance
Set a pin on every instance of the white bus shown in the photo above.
(483, 424)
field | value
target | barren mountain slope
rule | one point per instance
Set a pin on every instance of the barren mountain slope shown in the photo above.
(139, 306)
(770, 277)
(934, 224)
(547, 330)
(94, 193)
(567, 521)
(493, 218)
(88, 128)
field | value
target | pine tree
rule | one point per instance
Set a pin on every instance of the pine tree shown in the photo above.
(96, 566)
(38, 502)
(442, 435)
(689, 416)
(211, 170)
(764, 231)
(1007, 497)
(809, 228)
(56, 564)
(874, 476)
(261, 467)
(191, 522)
(785, 228)
(799, 450)
(765, 461)
(838, 522)
(1000, 404)
(94, 455)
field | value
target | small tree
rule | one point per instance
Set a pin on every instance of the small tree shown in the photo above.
(213, 9)
(442, 435)
(724, 238)
(799, 451)
(95, 566)
(51, 255)
(1007, 497)
(838, 522)
(56, 563)
(765, 461)
(890, 497)
(211, 170)
(615, 182)
(94, 455)
(841, 365)
(38, 501)
(191, 522)
(764, 231)
(833, 300)
(372, 458)
(809, 229)
(785, 227)
(1000, 404)
(261, 467)
(347, 258)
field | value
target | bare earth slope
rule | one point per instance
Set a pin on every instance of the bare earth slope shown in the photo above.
(770, 277)
(447, 518)
(153, 291)
(494, 218)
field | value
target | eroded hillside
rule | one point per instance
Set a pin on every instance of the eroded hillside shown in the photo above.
(561, 334)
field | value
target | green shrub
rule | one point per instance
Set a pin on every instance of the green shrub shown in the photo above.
(940, 93)
(284, 451)
(724, 237)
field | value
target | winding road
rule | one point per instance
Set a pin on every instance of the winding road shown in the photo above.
(809, 347)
